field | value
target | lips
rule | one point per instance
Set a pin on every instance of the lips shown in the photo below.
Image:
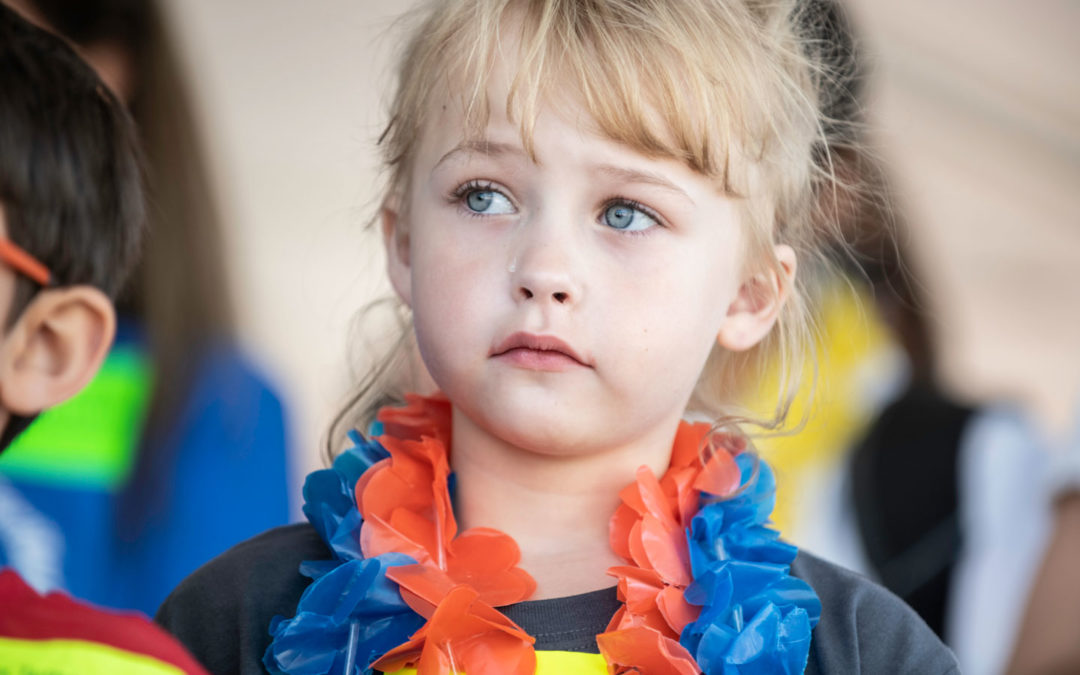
(539, 352)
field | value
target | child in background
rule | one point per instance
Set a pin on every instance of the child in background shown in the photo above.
(71, 221)
(116, 513)
(594, 214)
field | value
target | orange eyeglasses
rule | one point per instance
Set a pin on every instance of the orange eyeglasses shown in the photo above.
(24, 263)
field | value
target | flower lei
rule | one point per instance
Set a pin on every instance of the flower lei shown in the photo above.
(705, 587)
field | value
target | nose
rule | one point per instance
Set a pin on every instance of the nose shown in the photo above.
(544, 268)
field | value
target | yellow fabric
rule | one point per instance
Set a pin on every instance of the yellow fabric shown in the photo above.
(75, 657)
(853, 347)
(554, 663)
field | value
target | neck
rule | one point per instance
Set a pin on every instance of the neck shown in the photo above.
(557, 508)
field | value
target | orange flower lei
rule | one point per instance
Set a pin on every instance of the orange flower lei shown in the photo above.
(460, 578)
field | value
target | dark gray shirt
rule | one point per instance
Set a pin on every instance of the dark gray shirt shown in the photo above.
(222, 612)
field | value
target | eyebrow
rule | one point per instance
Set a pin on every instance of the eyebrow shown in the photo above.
(642, 177)
(622, 174)
(482, 147)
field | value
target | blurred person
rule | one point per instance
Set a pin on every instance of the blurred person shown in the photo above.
(964, 509)
(181, 445)
(71, 221)
(967, 510)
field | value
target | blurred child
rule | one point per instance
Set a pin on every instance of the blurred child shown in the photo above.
(179, 410)
(594, 213)
(71, 221)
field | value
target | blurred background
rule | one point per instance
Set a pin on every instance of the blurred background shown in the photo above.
(975, 107)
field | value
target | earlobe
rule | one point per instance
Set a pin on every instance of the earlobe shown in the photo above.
(757, 306)
(55, 348)
(396, 242)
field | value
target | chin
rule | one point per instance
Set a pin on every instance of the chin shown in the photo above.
(538, 425)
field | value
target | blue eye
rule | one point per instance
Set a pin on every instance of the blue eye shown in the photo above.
(488, 202)
(627, 217)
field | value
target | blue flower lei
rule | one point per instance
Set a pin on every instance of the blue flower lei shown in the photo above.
(755, 617)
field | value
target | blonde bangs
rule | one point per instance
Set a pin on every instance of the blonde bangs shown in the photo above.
(672, 80)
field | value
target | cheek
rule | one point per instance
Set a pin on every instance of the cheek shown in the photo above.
(676, 305)
(452, 293)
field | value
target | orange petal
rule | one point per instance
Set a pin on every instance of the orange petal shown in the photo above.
(686, 449)
(679, 486)
(473, 636)
(499, 656)
(653, 497)
(617, 621)
(675, 609)
(421, 416)
(416, 603)
(720, 476)
(378, 537)
(416, 528)
(637, 587)
(365, 478)
(483, 550)
(647, 651)
(667, 551)
(486, 559)
(631, 496)
(404, 482)
(506, 588)
(402, 656)
(637, 550)
(427, 582)
(619, 531)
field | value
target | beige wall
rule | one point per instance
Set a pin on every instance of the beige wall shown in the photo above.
(289, 95)
(980, 108)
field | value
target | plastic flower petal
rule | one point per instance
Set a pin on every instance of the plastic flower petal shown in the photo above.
(405, 503)
(465, 635)
(353, 604)
(740, 570)
(645, 650)
(707, 588)
(329, 504)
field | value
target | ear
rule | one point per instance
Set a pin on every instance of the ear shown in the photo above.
(755, 309)
(396, 241)
(55, 348)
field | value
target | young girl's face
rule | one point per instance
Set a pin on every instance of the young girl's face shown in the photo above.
(565, 304)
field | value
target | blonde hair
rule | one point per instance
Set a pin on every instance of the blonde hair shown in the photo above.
(731, 88)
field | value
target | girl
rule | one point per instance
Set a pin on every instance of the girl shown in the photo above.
(595, 211)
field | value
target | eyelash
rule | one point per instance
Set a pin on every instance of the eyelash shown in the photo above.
(461, 191)
(637, 206)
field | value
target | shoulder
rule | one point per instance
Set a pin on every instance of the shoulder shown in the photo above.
(865, 628)
(222, 612)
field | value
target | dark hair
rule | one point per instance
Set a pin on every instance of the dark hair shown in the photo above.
(70, 182)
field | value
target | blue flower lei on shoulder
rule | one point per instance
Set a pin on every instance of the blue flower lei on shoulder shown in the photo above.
(755, 618)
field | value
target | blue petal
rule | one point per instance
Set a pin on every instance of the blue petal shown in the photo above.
(364, 454)
(355, 595)
(741, 569)
(313, 569)
(327, 500)
(345, 541)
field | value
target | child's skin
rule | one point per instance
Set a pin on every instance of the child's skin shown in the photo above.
(488, 244)
(54, 347)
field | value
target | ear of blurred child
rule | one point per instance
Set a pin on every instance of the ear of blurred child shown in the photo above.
(55, 345)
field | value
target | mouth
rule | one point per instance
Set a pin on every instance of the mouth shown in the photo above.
(538, 352)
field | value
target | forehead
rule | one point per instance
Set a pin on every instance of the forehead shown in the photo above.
(522, 66)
